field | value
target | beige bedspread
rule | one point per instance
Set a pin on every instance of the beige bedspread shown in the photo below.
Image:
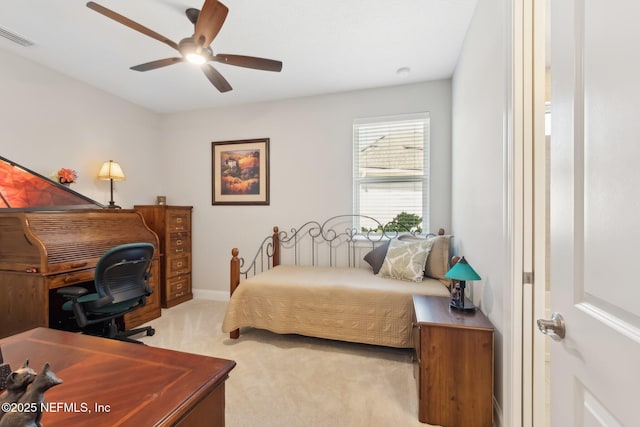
(347, 304)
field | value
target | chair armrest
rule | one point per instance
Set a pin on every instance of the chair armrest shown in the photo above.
(72, 291)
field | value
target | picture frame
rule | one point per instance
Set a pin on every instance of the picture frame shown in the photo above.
(240, 172)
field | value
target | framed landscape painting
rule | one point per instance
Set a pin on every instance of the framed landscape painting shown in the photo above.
(240, 172)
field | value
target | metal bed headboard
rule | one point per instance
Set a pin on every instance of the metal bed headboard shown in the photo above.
(338, 241)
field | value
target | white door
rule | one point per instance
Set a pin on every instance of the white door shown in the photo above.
(595, 211)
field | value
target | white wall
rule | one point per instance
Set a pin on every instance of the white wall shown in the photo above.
(311, 165)
(49, 121)
(480, 90)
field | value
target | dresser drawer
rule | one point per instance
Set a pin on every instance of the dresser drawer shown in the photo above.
(178, 286)
(177, 290)
(70, 279)
(178, 220)
(178, 243)
(178, 264)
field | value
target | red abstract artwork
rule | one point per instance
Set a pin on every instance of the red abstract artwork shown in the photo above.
(23, 189)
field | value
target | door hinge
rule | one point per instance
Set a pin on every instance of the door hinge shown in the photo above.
(527, 277)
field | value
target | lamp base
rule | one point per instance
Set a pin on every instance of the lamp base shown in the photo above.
(466, 306)
(112, 205)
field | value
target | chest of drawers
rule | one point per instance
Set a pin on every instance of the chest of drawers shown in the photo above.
(453, 364)
(172, 224)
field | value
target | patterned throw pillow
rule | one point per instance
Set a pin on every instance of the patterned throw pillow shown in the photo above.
(437, 263)
(406, 260)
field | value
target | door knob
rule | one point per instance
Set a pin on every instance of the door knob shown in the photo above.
(554, 328)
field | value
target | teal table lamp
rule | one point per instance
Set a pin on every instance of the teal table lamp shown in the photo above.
(462, 272)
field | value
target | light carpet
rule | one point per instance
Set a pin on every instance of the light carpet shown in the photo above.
(290, 380)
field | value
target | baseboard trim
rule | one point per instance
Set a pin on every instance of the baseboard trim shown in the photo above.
(211, 295)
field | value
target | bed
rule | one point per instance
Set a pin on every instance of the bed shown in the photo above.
(338, 279)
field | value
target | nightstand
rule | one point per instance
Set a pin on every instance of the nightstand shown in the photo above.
(453, 364)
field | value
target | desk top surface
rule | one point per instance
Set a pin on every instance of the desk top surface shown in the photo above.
(108, 382)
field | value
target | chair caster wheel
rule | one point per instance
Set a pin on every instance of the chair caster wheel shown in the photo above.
(151, 332)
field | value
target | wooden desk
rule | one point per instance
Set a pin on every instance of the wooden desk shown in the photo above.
(45, 250)
(136, 385)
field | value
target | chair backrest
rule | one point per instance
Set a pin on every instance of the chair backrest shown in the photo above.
(122, 272)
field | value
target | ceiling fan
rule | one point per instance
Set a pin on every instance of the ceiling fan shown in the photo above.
(196, 49)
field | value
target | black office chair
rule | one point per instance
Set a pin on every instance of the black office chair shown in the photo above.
(122, 285)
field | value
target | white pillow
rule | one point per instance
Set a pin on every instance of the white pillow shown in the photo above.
(406, 260)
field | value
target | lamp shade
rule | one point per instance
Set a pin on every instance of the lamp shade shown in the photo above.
(462, 271)
(111, 170)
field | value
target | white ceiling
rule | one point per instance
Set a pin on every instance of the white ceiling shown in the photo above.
(326, 46)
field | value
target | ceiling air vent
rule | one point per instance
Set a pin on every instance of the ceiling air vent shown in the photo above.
(14, 37)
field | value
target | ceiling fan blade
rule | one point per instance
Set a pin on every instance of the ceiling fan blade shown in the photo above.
(248, 62)
(210, 21)
(131, 24)
(156, 64)
(216, 78)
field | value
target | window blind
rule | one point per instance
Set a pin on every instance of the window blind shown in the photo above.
(391, 167)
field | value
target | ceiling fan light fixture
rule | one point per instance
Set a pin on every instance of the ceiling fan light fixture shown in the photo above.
(196, 58)
(193, 52)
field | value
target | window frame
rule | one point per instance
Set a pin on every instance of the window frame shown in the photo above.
(423, 178)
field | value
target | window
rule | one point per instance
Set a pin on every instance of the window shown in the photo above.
(391, 168)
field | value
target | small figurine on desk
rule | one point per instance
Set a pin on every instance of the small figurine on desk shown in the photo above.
(17, 383)
(456, 295)
(33, 398)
